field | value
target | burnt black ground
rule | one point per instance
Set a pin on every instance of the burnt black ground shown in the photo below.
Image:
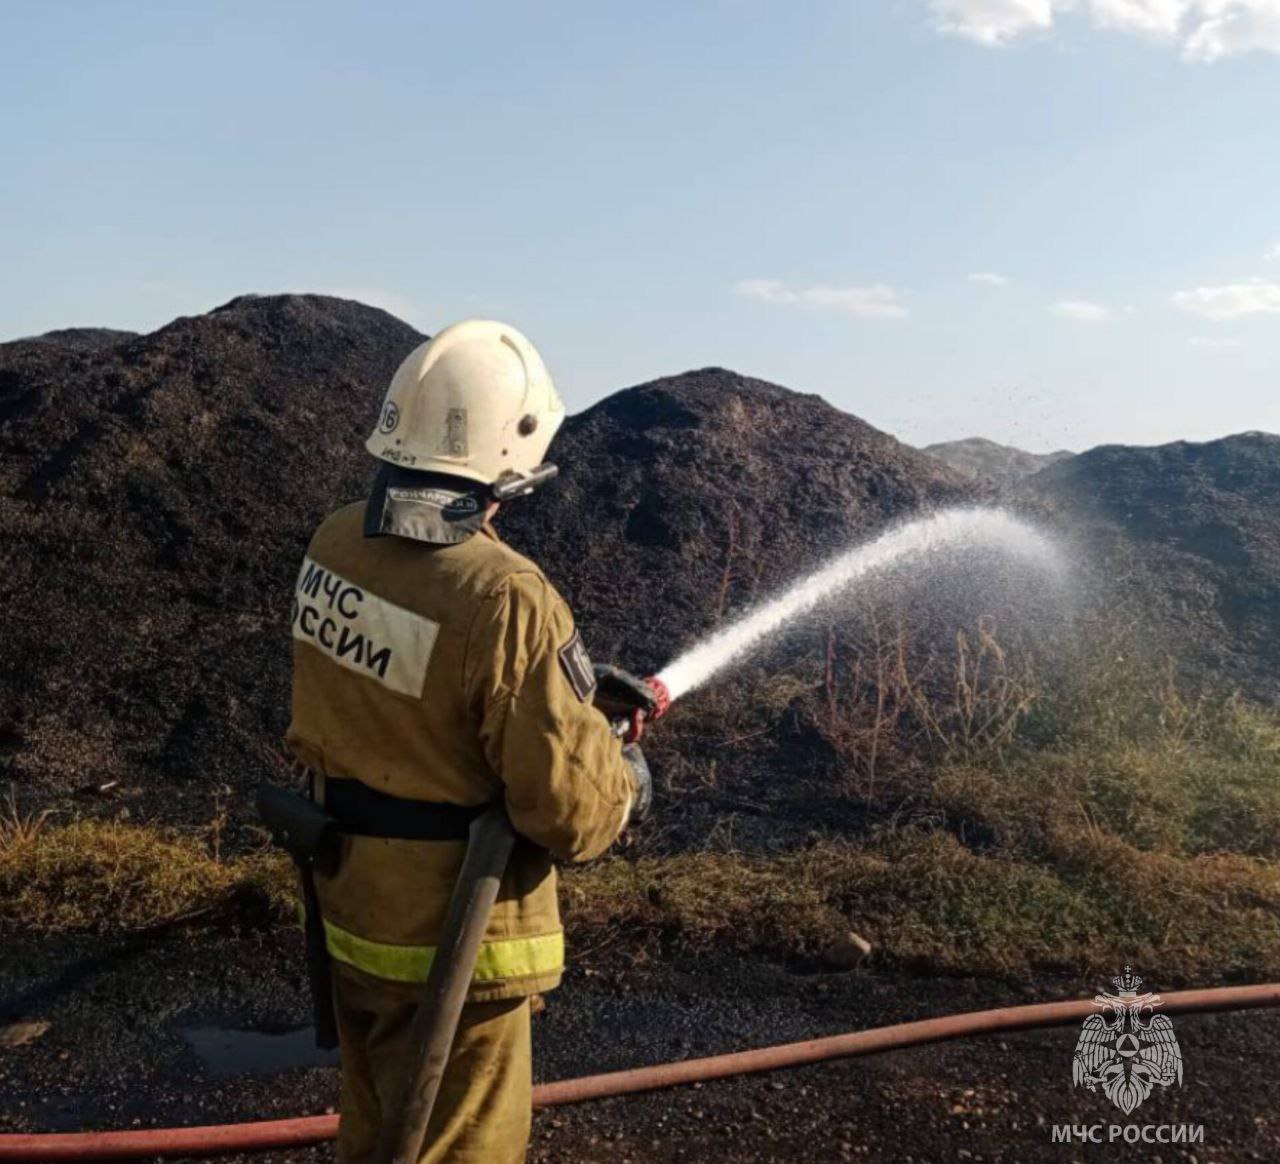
(113, 1058)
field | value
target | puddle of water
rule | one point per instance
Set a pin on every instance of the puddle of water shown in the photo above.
(224, 1051)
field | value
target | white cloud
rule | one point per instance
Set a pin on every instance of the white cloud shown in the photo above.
(992, 22)
(1157, 18)
(1205, 30)
(1231, 300)
(1227, 28)
(874, 301)
(1081, 310)
(989, 279)
(1213, 341)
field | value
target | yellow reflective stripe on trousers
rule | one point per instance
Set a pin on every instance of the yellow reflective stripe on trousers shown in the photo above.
(504, 958)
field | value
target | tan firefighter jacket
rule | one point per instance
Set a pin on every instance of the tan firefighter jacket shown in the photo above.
(449, 674)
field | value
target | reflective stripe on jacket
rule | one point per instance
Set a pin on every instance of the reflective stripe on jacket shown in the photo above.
(449, 673)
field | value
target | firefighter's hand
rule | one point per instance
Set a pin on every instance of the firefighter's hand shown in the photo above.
(643, 782)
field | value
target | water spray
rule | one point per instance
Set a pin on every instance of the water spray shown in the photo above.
(914, 543)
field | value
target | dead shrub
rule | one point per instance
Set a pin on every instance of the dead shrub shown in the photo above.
(18, 828)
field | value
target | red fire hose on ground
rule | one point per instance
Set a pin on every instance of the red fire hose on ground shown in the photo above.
(294, 1133)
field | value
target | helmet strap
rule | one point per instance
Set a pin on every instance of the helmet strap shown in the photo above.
(512, 484)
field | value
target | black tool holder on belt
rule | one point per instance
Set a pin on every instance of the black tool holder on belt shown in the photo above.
(312, 835)
(313, 839)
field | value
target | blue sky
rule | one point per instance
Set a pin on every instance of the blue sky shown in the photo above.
(801, 192)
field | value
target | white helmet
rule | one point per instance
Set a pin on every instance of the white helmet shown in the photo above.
(475, 401)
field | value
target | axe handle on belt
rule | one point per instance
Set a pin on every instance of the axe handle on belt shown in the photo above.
(489, 846)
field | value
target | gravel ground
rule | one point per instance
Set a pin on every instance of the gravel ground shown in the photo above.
(114, 1056)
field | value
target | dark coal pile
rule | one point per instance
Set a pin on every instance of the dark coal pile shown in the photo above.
(156, 497)
(1190, 534)
(979, 457)
(157, 492)
(682, 501)
(680, 504)
(83, 339)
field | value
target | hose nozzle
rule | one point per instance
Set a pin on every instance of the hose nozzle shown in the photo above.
(629, 701)
(661, 696)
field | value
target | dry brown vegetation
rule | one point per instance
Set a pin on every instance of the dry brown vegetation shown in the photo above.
(1018, 823)
(111, 876)
(927, 901)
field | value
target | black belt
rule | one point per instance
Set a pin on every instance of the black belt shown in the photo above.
(362, 811)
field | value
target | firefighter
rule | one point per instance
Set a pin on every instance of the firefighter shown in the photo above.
(437, 671)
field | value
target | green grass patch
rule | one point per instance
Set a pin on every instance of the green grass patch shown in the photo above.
(928, 902)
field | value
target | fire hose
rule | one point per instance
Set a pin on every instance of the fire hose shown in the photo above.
(294, 1133)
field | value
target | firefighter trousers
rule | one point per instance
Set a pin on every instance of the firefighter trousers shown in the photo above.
(484, 1108)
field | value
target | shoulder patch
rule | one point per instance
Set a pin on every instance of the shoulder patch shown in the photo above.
(577, 666)
(362, 632)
